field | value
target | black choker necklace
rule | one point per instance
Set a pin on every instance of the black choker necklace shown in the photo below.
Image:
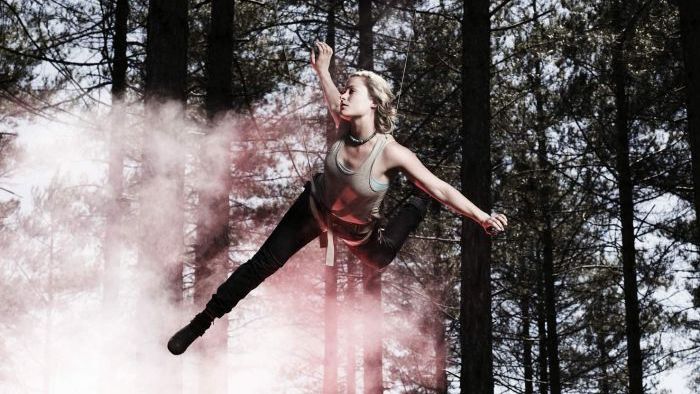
(358, 141)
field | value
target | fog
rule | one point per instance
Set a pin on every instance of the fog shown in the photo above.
(60, 332)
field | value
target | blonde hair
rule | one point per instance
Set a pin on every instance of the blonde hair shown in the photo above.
(380, 91)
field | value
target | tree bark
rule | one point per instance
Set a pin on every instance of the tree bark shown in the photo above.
(440, 344)
(545, 193)
(220, 52)
(115, 182)
(626, 206)
(527, 345)
(542, 336)
(161, 195)
(476, 341)
(166, 51)
(330, 360)
(366, 57)
(211, 249)
(351, 318)
(162, 178)
(119, 65)
(371, 277)
(372, 351)
(690, 34)
(603, 381)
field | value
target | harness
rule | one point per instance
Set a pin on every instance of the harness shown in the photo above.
(353, 234)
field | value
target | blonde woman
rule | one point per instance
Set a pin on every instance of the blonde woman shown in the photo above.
(344, 200)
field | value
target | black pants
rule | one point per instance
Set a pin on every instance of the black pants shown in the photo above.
(297, 228)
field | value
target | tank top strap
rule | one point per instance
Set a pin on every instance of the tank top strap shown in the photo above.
(376, 151)
(336, 146)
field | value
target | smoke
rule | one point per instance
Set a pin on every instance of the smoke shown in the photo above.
(71, 323)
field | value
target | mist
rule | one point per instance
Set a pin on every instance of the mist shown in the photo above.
(63, 334)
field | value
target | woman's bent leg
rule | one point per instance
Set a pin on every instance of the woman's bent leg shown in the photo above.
(385, 243)
(296, 229)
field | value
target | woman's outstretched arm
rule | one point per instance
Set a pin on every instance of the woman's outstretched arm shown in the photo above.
(320, 65)
(402, 157)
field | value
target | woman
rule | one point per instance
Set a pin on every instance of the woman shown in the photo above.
(344, 200)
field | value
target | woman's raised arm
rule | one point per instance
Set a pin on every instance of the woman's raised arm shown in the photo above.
(320, 65)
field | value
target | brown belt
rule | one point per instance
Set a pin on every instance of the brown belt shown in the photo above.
(326, 219)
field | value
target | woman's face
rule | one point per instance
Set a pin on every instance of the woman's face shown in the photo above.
(355, 100)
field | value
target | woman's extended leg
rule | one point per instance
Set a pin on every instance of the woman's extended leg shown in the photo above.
(383, 245)
(296, 229)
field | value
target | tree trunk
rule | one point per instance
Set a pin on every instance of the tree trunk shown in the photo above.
(527, 345)
(162, 186)
(219, 82)
(475, 290)
(161, 199)
(119, 66)
(115, 182)
(330, 360)
(351, 318)
(166, 51)
(545, 193)
(440, 345)
(371, 277)
(603, 381)
(366, 57)
(542, 336)
(690, 34)
(116, 205)
(438, 292)
(626, 204)
(372, 351)
(550, 305)
(211, 248)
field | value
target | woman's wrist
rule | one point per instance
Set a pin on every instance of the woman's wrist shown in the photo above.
(482, 217)
(322, 72)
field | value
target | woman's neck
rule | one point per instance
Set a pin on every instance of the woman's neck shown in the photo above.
(363, 127)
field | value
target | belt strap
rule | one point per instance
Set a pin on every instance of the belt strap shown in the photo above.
(330, 247)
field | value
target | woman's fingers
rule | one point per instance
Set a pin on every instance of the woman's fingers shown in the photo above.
(327, 47)
(320, 47)
(502, 221)
(499, 221)
(324, 48)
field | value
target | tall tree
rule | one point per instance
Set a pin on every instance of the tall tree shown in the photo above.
(476, 374)
(211, 249)
(626, 204)
(115, 183)
(371, 277)
(166, 60)
(162, 175)
(545, 192)
(690, 34)
(330, 359)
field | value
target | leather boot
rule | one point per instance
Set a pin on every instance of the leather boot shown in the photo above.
(193, 330)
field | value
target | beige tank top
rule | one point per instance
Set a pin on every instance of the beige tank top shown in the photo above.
(353, 196)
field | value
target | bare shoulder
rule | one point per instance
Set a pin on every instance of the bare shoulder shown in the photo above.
(396, 154)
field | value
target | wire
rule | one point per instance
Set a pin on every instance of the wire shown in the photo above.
(408, 51)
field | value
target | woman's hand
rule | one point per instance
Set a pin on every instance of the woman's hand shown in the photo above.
(323, 61)
(494, 224)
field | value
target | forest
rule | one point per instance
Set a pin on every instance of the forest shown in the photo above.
(149, 147)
